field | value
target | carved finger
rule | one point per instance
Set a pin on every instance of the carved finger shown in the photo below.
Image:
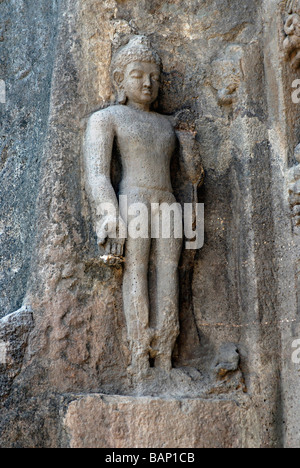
(101, 240)
(108, 247)
(102, 235)
(120, 249)
(113, 250)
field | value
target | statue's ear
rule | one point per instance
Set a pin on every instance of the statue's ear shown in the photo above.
(118, 77)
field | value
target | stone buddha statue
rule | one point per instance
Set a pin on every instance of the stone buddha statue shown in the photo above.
(146, 141)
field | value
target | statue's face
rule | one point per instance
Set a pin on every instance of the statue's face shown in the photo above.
(141, 82)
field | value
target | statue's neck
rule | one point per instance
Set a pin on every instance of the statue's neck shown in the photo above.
(138, 106)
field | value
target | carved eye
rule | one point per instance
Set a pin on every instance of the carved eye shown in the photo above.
(136, 75)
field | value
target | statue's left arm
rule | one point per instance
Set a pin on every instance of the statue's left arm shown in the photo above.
(190, 156)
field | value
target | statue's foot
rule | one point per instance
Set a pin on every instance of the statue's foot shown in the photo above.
(139, 367)
(163, 363)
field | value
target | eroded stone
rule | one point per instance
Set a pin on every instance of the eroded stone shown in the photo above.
(98, 421)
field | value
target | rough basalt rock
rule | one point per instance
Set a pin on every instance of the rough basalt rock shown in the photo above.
(100, 421)
(225, 75)
(14, 333)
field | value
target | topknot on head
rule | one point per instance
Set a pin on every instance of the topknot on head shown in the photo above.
(139, 48)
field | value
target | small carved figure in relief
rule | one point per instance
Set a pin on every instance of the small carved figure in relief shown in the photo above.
(226, 75)
(227, 359)
(146, 141)
(291, 44)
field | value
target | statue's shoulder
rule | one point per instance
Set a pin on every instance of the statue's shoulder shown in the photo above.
(169, 119)
(166, 120)
(109, 115)
(161, 117)
(101, 115)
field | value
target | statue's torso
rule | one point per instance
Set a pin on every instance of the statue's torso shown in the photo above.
(146, 141)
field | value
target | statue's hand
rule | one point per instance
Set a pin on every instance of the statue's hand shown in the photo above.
(108, 234)
(115, 247)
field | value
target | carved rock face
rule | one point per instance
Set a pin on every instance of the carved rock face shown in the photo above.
(292, 24)
(14, 333)
(291, 43)
(240, 288)
(141, 82)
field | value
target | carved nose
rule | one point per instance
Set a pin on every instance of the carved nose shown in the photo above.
(147, 82)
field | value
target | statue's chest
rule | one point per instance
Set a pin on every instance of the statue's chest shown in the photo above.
(151, 134)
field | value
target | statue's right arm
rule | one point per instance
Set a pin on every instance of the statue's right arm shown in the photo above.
(98, 147)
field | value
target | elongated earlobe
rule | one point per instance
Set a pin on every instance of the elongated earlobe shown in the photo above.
(118, 78)
(122, 96)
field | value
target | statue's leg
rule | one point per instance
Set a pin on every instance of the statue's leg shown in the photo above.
(136, 302)
(167, 313)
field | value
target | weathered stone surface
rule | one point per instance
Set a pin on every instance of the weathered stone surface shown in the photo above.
(291, 43)
(27, 37)
(98, 421)
(14, 333)
(147, 143)
(224, 73)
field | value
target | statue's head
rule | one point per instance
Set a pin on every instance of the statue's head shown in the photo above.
(136, 70)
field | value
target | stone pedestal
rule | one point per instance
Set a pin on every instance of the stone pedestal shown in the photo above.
(100, 421)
